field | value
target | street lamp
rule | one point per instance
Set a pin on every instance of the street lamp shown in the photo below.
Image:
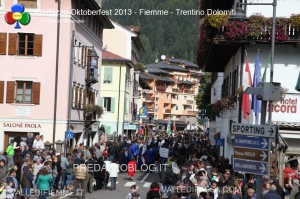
(93, 57)
(240, 15)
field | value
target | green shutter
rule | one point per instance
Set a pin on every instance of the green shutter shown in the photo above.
(101, 102)
(108, 75)
(112, 105)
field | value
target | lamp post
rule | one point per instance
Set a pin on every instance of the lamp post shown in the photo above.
(241, 15)
(92, 54)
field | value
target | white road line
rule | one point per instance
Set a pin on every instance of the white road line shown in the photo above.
(145, 177)
(147, 184)
(137, 187)
(129, 184)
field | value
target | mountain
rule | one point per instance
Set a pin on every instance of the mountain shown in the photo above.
(171, 34)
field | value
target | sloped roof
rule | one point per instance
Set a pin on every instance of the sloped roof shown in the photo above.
(158, 78)
(145, 77)
(157, 70)
(167, 67)
(184, 62)
(185, 82)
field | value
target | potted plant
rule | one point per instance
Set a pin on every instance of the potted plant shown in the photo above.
(217, 21)
(90, 110)
(295, 20)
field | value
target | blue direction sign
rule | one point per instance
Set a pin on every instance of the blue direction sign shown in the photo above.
(251, 142)
(220, 142)
(254, 167)
(69, 135)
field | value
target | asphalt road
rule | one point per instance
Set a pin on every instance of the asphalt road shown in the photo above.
(141, 180)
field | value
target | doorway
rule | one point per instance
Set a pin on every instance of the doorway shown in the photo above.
(9, 136)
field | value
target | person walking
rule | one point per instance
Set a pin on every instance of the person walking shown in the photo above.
(64, 163)
(44, 181)
(10, 152)
(113, 173)
(70, 170)
(99, 174)
(154, 191)
(131, 168)
(90, 175)
(26, 182)
(272, 194)
(133, 194)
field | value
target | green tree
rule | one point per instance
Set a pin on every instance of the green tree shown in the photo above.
(203, 98)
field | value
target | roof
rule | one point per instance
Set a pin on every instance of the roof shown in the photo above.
(158, 78)
(136, 29)
(111, 57)
(157, 70)
(181, 61)
(185, 82)
(165, 66)
(145, 77)
(282, 124)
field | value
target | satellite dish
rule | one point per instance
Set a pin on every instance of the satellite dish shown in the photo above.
(163, 57)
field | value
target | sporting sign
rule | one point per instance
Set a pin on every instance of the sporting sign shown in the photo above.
(248, 166)
(251, 154)
(251, 142)
(253, 130)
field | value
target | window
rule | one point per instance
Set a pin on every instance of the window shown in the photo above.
(75, 51)
(24, 92)
(176, 108)
(168, 96)
(108, 103)
(25, 44)
(185, 97)
(28, 3)
(3, 42)
(108, 75)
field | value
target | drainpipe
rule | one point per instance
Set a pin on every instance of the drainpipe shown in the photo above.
(119, 100)
(56, 73)
(241, 83)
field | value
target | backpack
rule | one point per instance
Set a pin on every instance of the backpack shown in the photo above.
(135, 195)
(297, 196)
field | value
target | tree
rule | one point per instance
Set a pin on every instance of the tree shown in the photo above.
(203, 98)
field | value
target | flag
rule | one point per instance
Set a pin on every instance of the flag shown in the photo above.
(246, 97)
(266, 68)
(169, 127)
(174, 126)
(256, 104)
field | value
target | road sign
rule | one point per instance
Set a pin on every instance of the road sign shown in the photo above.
(69, 135)
(250, 166)
(219, 142)
(251, 142)
(251, 154)
(253, 130)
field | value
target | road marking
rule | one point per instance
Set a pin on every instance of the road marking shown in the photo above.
(129, 184)
(145, 177)
(147, 184)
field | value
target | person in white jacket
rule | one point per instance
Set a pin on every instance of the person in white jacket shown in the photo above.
(113, 170)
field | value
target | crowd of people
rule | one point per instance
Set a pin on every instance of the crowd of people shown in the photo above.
(189, 167)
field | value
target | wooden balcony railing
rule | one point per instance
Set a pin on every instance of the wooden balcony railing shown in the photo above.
(161, 88)
(168, 111)
(188, 91)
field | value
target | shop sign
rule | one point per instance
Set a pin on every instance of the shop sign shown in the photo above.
(21, 125)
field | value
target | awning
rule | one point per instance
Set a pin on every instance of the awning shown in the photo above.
(292, 139)
(298, 83)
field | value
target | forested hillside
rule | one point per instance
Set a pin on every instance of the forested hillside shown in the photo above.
(169, 35)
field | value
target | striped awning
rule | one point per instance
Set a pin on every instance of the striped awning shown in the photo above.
(298, 83)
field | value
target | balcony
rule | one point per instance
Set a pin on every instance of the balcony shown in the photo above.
(92, 76)
(161, 88)
(149, 99)
(188, 91)
(168, 111)
(176, 90)
(150, 110)
(190, 113)
(188, 102)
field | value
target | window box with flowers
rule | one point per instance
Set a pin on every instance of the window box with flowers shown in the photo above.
(91, 111)
(223, 104)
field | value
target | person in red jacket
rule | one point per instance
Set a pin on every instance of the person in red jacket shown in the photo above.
(131, 168)
(289, 173)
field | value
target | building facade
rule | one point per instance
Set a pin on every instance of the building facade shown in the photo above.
(169, 93)
(29, 80)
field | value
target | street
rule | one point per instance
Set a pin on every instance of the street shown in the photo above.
(141, 179)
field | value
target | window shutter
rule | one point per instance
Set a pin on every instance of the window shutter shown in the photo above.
(81, 98)
(108, 75)
(38, 45)
(84, 97)
(101, 102)
(112, 105)
(12, 45)
(76, 96)
(94, 98)
(36, 92)
(10, 92)
(3, 38)
(73, 96)
(125, 105)
(83, 57)
(1, 92)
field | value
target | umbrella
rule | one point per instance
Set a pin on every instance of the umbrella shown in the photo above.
(298, 84)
